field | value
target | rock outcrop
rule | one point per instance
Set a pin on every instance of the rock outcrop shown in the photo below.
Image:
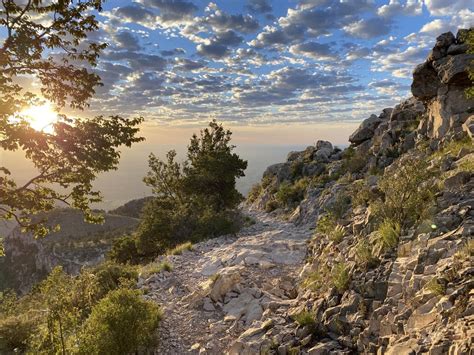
(440, 83)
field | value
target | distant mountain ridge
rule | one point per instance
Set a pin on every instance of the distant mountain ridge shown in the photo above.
(28, 260)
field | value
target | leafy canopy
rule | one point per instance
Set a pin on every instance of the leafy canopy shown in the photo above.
(47, 41)
(193, 200)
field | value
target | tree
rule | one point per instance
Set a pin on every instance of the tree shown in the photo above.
(47, 40)
(212, 168)
(193, 200)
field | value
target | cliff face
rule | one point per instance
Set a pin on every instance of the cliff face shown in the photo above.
(371, 285)
(28, 260)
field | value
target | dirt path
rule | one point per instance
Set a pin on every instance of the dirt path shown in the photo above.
(229, 287)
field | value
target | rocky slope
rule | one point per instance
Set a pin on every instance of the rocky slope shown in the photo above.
(323, 270)
(28, 260)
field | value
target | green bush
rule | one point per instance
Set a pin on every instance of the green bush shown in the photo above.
(111, 275)
(180, 249)
(15, 333)
(365, 255)
(407, 192)
(340, 277)
(353, 161)
(124, 250)
(328, 226)
(388, 233)
(154, 268)
(254, 193)
(121, 323)
(360, 193)
(290, 195)
(305, 319)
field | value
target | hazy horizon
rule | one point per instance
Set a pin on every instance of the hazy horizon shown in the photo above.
(125, 184)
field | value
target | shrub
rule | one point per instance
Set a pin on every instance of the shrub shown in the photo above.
(15, 333)
(179, 249)
(296, 169)
(337, 234)
(340, 205)
(111, 275)
(365, 255)
(193, 200)
(353, 161)
(305, 319)
(407, 192)
(388, 233)
(360, 193)
(271, 206)
(121, 323)
(155, 268)
(124, 250)
(249, 221)
(289, 194)
(254, 193)
(435, 287)
(340, 277)
(326, 224)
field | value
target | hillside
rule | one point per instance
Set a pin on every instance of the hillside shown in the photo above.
(28, 260)
(375, 255)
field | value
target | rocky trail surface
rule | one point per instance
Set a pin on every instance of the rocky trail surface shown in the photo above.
(229, 289)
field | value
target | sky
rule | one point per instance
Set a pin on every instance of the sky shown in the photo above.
(262, 62)
(280, 74)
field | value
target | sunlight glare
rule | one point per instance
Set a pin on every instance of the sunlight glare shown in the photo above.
(41, 118)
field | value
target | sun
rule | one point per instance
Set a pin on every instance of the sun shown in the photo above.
(41, 118)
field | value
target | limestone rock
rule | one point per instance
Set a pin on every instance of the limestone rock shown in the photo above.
(365, 130)
(454, 69)
(425, 82)
(226, 280)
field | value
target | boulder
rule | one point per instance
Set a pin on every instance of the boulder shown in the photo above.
(281, 171)
(457, 49)
(457, 180)
(468, 126)
(425, 82)
(246, 306)
(445, 40)
(453, 70)
(226, 281)
(365, 130)
(409, 110)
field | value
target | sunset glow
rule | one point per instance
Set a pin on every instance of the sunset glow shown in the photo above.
(41, 118)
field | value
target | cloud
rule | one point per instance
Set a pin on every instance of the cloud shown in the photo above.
(184, 64)
(447, 7)
(137, 61)
(369, 28)
(395, 7)
(213, 50)
(259, 6)
(134, 13)
(218, 46)
(172, 11)
(127, 40)
(388, 86)
(273, 36)
(283, 86)
(173, 52)
(314, 50)
(221, 21)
